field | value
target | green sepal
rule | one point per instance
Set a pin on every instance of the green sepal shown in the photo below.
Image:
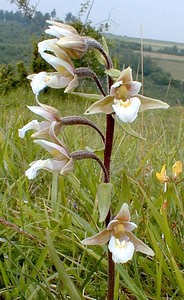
(99, 55)
(104, 192)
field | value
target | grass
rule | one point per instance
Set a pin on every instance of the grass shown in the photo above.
(43, 221)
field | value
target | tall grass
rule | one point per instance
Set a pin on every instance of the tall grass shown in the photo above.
(52, 214)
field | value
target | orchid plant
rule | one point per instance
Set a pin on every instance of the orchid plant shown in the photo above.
(121, 102)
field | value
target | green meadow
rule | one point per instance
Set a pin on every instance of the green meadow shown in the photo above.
(43, 221)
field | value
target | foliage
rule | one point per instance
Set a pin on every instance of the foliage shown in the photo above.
(30, 210)
(12, 76)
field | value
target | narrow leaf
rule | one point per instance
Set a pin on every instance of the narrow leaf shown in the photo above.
(125, 191)
(66, 280)
(99, 57)
(113, 73)
(104, 199)
(88, 96)
(127, 128)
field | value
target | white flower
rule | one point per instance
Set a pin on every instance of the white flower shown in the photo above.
(50, 114)
(124, 99)
(122, 242)
(61, 163)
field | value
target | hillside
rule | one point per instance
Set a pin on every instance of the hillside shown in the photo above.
(167, 55)
(163, 61)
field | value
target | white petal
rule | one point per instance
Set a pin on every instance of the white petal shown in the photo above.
(48, 164)
(122, 251)
(54, 149)
(31, 125)
(42, 112)
(73, 84)
(133, 88)
(46, 45)
(58, 31)
(58, 81)
(58, 63)
(127, 111)
(38, 82)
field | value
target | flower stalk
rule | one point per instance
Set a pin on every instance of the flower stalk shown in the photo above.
(83, 154)
(77, 120)
(86, 72)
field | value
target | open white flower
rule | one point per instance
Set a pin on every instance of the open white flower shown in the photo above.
(122, 242)
(124, 99)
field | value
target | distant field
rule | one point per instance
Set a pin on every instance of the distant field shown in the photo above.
(173, 64)
(155, 44)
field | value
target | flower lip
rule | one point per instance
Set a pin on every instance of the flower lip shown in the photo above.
(127, 111)
(122, 250)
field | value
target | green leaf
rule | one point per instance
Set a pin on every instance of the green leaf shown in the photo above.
(113, 73)
(99, 57)
(105, 46)
(93, 150)
(127, 128)
(104, 191)
(125, 191)
(65, 279)
(88, 96)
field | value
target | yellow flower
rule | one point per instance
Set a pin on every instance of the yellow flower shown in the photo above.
(177, 168)
(162, 177)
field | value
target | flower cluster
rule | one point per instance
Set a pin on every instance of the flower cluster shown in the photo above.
(176, 170)
(122, 101)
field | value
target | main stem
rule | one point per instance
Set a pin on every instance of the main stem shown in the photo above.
(107, 161)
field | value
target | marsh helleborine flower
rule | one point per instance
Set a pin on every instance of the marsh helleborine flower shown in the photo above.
(124, 99)
(61, 162)
(122, 242)
(50, 114)
(65, 76)
(68, 39)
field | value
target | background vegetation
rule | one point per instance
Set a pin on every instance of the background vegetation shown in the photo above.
(163, 61)
(66, 208)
